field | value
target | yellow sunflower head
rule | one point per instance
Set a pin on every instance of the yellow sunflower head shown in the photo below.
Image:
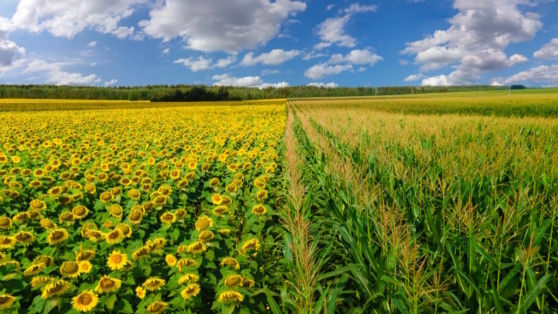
(66, 217)
(6, 301)
(140, 253)
(44, 259)
(170, 260)
(157, 307)
(34, 269)
(233, 280)
(230, 262)
(84, 255)
(230, 297)
(186, 263)
(115, 210)
(85, 302)
(80, 212)
(56, 288)
(216, 199)
(115, 236)
(259, 210)
(153, 284)
(57, 236)
(203, 223)
(262, 195)
(134, 194)
(205, 235)
(70, 269)
(136, 216)
(214, 182)
(252, 244)
(39, 281)
(140, 292)
(106, 197)
(107, 284)
(197, 247)
(190, 291)
(126, 230)
(117, 260)
(189, 277)
(85, 267)
(168, 218)
(24, 237)
(47, 223)
(220, 210)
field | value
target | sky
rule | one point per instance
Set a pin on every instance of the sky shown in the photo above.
(279, 43)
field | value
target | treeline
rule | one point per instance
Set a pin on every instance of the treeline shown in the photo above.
(212, 93)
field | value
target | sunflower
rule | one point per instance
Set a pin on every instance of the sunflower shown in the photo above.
(44, 259)
(175, 174)
(186, 278)
(34, 214)
(106, 197)
(125, 181)
(197, 247)
(157, 307)
(214, 182)
(252, 244)
(115, 236)
(231, 188)
(135, 216)
(95, 235)
(47, 223)
(85, 302)
(160, 200)
(203, 223)
(126, 230)
(57, 236)
(148, 206)
(90, 188)
(24, 237)
(153, 284)
(205, 236)
(66, 217)
(7, 242)
(190, 291)
(220, 210)
(259, 210)
(20, 217)
(233, 281)
(168, 218)
(85, 255)
(55, 191)
(59, 287)
(85, 267)
(34, 269)
(226, 201)
(70, 269)
(134, 194)
(186, 262)
(224, 231)
(216, 199)
(115, 210)
(80, 212)
(65, 176)
(108, 284)
(170, 260)
(35, 184)
(230, 297)
(230, 262)
(117, 260)
(115, 191)
(248, 283)
(140, 253)
(39, 173)
(140, 292)
(182, 184)
(39, 281)
(6, 301)
(180, 213)
(262, 195)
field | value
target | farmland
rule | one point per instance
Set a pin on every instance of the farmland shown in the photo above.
(406, 204)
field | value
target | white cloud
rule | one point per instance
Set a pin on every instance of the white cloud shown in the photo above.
(329, 7)
(274, 57)
(441, 80)
(517, 58)
(357, 8)
(8, 52)
(332, 31)
(247, 81)
(548, 51)
(403, 62)
(357, 57)
(324, 85)
(200, 63)
(92, 44)
(216, 25)
(66, 18)
(543, 74)
(111, 82)
(225, 62)
(54, 73)
(194, 64)
(496, 84)
(413, 77)
(166, 51)
(269, 72)
(313, 55)
(323, 69)
(475, 41)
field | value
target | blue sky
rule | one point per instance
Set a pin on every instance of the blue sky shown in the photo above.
(277, 43)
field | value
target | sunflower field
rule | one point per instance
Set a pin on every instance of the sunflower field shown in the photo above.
(139, 210)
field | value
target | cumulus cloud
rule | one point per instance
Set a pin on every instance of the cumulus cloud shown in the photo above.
(332, 30)
(8, 52)
(323, 69)
(312, 55)
(201, 63)
(339, 63)
(274, 57)
(166, 51)
(54, 73)
(246, 81)
(92, 44)
(475, 41)
(547, 75)
(413, 77)
(548, 51)
(324, 85)
(66, 18)
(216, 25)
(111, 82)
